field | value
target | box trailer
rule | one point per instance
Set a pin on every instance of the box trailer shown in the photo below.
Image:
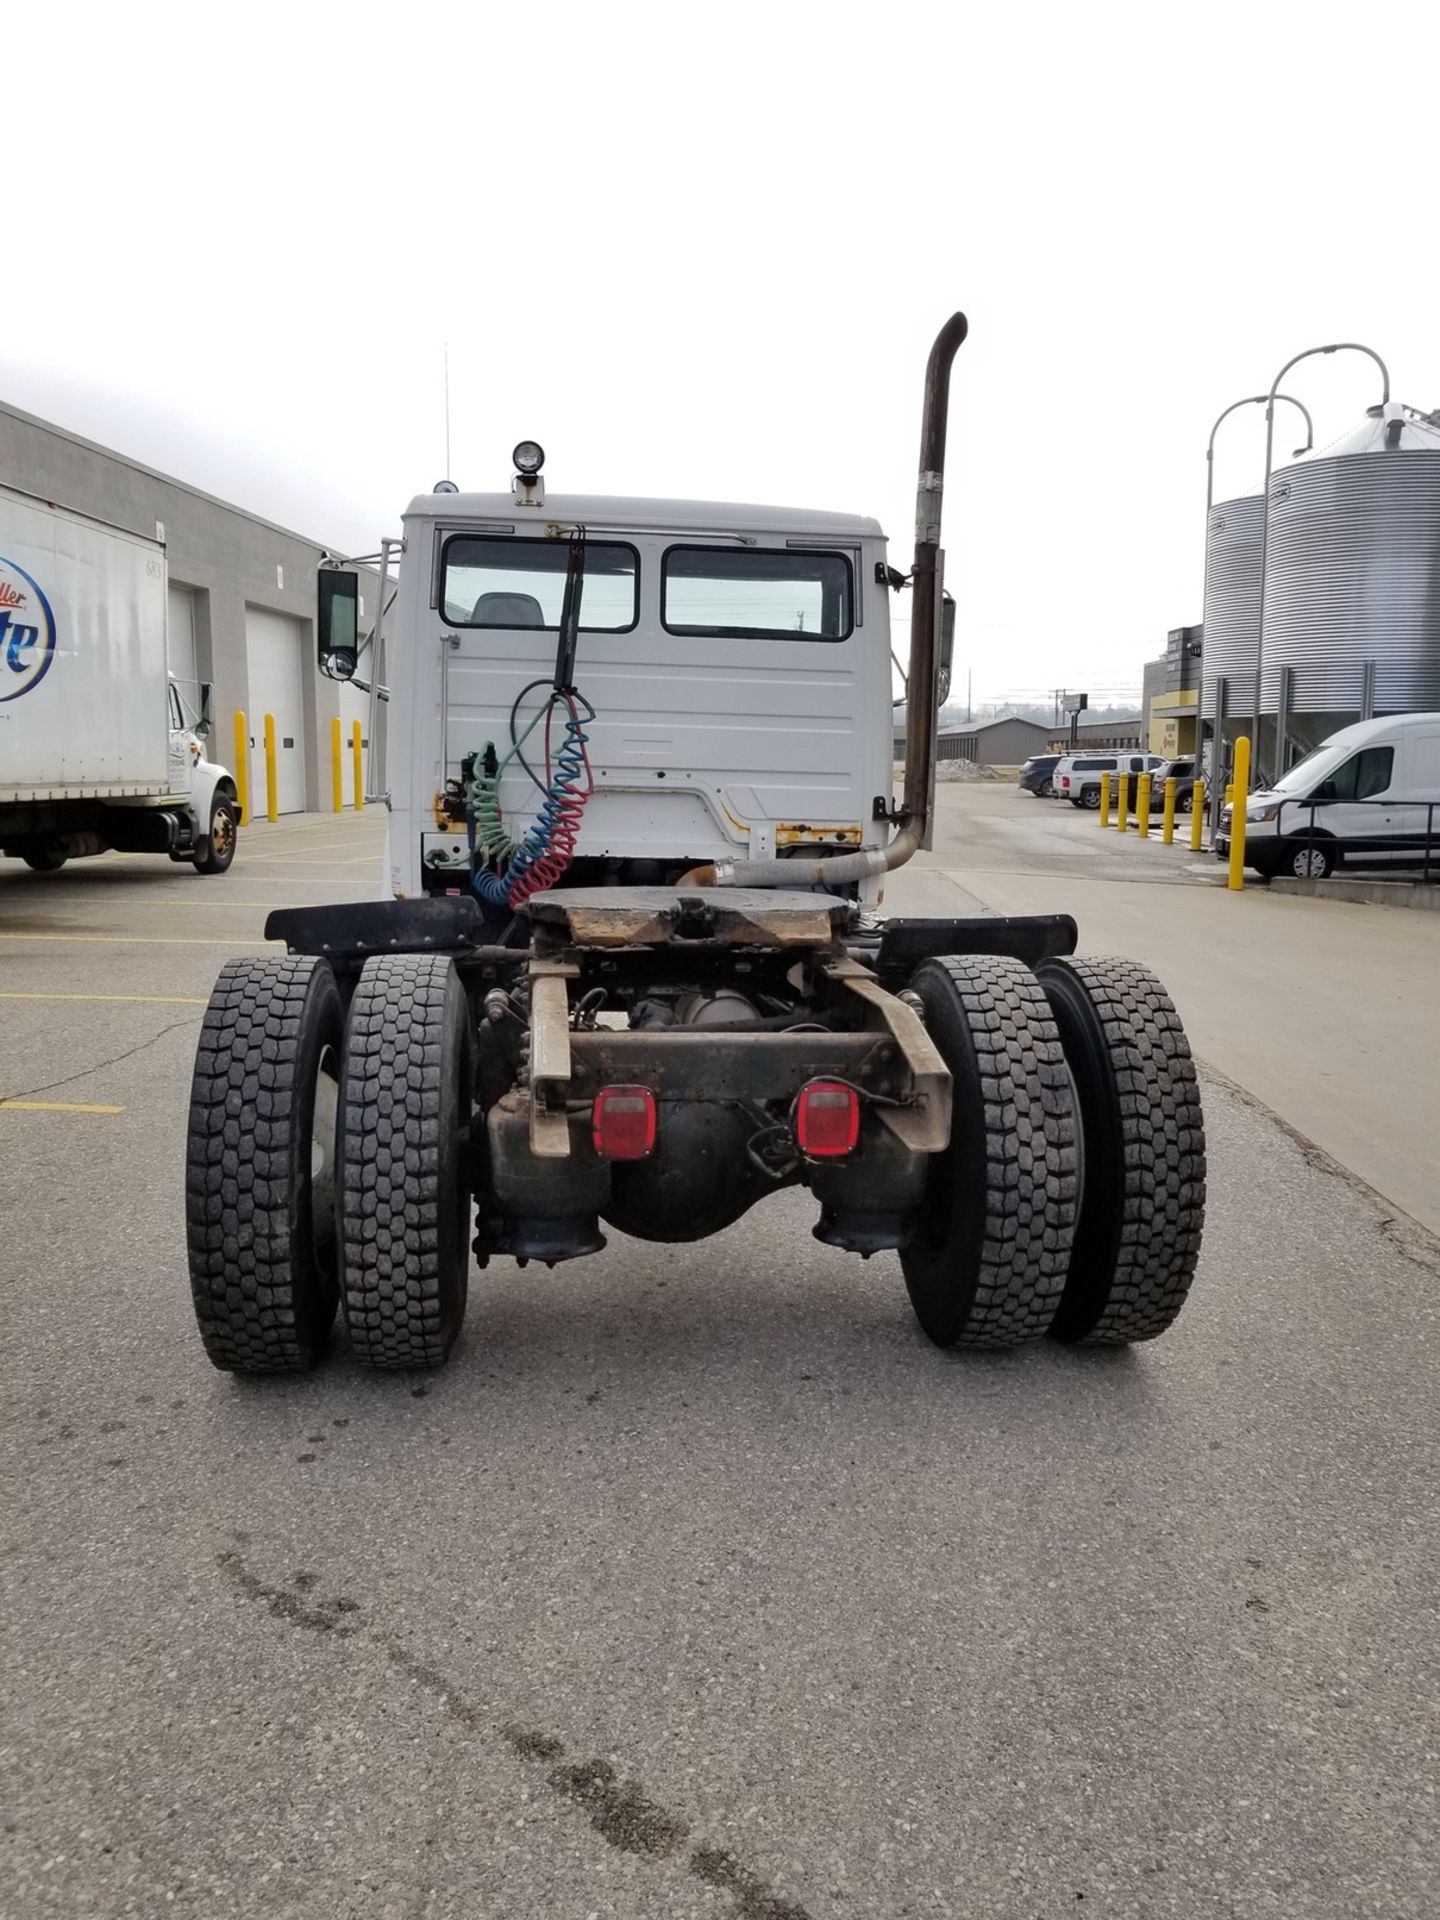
(97, 748)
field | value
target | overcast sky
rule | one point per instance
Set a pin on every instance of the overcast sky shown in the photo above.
(703, 252)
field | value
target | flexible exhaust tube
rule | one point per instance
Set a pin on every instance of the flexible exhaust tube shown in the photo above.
(842, 868)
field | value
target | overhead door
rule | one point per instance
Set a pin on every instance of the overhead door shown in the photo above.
(277, 651)
(354, 705)
(181, 633)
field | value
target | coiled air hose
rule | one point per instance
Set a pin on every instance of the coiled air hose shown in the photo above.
(513, 870)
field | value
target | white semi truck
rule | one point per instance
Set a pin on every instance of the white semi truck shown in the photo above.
(636, 970)
(100, 747)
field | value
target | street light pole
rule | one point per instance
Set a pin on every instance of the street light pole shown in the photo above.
(1217, 785)
(1339, 346)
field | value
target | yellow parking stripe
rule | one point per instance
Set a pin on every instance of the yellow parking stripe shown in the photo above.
(148, 999)
(54, 1106)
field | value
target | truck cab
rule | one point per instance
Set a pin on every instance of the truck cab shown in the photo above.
(733, 661)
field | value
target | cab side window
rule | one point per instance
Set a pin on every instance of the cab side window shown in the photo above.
(1364, 776)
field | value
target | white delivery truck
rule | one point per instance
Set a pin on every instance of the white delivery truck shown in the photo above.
(97, 748)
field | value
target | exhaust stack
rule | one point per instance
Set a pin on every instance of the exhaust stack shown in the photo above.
(925, 587)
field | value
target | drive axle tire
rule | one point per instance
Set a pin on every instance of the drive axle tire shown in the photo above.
(1142, 1204)
(986, 1264)
(260, 1174)
(405, 1100)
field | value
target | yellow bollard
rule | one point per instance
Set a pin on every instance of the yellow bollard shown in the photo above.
(242, 766)
(1167, 824)
(1197, 815)
(1104, 799)
(1142, 806)
(1240, 790)
(357, 747)
(272, 783)
(1123, 805)
(337, 768)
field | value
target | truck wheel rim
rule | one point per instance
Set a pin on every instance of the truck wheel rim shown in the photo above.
(222, 831)
(1309, 864)
(323, 1127)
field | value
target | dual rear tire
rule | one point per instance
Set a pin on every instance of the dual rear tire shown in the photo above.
(327, 1163)
(1071, 1198)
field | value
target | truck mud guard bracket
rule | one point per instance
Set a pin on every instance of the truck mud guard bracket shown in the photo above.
(350, 933)
(903, 944)
(924, 1124)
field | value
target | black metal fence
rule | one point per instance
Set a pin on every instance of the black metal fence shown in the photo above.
(1409, 829)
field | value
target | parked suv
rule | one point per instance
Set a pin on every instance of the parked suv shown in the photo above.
(1077, 777)
(1368, 797)
(1036, 772)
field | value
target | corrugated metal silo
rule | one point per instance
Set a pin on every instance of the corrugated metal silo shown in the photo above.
(1232, 605)
(1352, 582)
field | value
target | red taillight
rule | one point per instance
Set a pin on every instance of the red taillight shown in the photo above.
(827, 1120)
(623, 1122)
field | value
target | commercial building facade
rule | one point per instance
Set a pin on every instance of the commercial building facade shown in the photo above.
(1171, 698)
(241, 601)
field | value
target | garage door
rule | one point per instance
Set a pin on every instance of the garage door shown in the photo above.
(182, 645)
(354, 705)
(278, 659)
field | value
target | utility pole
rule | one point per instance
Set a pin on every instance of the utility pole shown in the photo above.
(969, 684)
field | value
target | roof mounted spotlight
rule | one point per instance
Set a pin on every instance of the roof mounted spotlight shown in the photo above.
(444, 486)
(527, 488)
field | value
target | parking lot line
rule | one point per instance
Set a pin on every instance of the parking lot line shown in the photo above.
(143, 939)
(149, 999)
(54, 1106)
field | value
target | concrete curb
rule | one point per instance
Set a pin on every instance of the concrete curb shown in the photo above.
(1366, 893)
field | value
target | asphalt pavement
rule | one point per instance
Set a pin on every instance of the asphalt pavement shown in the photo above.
(698, 1583)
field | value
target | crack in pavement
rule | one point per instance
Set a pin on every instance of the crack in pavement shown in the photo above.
(620, 1811)
(98, 1066)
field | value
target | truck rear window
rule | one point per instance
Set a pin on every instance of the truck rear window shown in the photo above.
(498, 582)
(759, 593)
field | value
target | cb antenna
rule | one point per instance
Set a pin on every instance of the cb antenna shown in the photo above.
(447, 409)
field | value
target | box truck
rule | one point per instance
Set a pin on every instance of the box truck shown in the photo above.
(98, 749)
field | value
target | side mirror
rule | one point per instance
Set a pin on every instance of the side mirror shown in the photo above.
(337, 624)
(1325, 791)
(947, 649)
(202, 725)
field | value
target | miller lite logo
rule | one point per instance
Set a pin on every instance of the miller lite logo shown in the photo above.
(27, 631)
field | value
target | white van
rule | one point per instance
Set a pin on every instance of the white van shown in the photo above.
(1368, 797)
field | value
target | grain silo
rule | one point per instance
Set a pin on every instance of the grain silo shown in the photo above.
(1352, 585)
